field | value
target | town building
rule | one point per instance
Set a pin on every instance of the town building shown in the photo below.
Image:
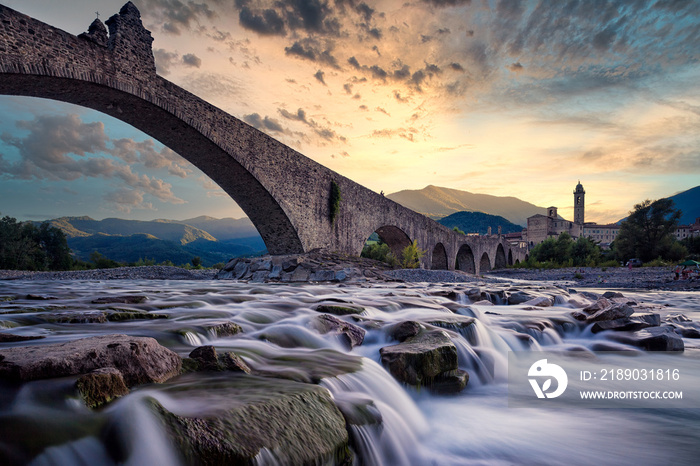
(688, 231)
(540, 227)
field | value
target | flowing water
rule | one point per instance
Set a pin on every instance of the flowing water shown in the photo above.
(46, 421)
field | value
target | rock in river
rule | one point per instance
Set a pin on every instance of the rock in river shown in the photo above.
(139, 359)
(421, 358)
(240, 416)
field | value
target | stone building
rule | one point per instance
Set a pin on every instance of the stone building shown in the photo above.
(688, 231)
(603, 234)
(540, 227)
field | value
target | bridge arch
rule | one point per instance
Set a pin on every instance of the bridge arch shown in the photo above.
(510, 256)
(485, 263)
(500, 262)
(395, 238)
(465, 259)
(439, 257)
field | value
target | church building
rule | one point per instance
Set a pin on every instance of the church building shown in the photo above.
(540, 227)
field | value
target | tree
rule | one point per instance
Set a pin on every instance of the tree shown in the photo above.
(54, 243)
(410, 256)
(648, 231)
(585, 251)
(197, 262)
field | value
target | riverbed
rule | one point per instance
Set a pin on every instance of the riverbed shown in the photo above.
(45, 421)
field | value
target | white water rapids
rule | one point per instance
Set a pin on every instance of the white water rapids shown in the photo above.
(46, 421)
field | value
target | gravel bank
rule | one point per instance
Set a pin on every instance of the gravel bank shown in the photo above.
(156, 272)
(657, 278)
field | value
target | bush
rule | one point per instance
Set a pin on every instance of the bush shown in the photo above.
(411, 255)
(102, 262)
(658, 262)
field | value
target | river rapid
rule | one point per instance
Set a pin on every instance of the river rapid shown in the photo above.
(47, 421)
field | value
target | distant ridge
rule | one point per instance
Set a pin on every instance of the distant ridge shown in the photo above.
(689, 203)
(437, 202)
(161, 240)
(479, 222)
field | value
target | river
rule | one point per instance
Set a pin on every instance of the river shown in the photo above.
(480, 426)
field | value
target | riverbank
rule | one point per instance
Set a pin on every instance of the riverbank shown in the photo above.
(641, 278)
(153, 272)
(318, 268)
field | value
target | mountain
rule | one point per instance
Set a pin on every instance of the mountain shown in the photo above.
(141, 246)
(437, 202)
(479, 222)
(161, 240)
(165, 230)
(689, 203)
(222, 229)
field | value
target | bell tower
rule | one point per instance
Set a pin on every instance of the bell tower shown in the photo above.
(579, 203)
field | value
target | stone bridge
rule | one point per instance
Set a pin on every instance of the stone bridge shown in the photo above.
(288, 196)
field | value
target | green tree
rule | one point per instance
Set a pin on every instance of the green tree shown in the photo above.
(197, 262)
(648, 231)
(102, 262)
(55, 245)
(585, 252)
(411, 255)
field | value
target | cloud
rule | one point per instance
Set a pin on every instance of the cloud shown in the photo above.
(176, 15)
(270, 124)
(126, 200)
(324, 132)
(319, 77)
(64, 148)
(447, 3)
(311, 49)
(515, 67)
(164, 60)
(192, 60)
(266, 22)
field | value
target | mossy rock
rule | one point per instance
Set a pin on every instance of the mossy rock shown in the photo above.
(101, 386)
(339, 310)
(134, 315)
(298, 422)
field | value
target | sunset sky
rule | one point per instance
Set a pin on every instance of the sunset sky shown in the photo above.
(498, 97)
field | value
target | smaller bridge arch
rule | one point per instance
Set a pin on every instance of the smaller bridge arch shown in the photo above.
(465, 259)
(395, 238)
(439, 258)
(485, 263)
(500, 262)
(510, 257)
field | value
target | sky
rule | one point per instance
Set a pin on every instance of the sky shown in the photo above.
(505, 98)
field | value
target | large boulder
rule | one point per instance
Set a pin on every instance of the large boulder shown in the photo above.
(139, 359)
(350, 334)
(297, 423)
(614, 312)
(419, 359)
(403, 330)
(205, 358)
(651, 339)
